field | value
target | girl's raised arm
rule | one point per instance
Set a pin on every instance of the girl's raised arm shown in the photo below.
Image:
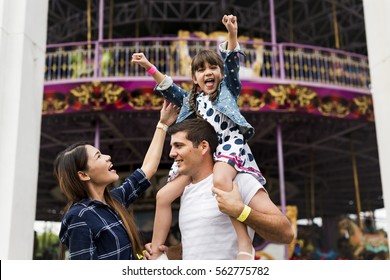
(140, 59)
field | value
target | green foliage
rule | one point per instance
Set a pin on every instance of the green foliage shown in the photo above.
(46, 246)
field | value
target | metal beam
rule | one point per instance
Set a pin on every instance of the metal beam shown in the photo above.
(119, 134)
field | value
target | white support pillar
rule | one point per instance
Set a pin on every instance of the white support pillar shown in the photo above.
(23, 28)
(377, 20)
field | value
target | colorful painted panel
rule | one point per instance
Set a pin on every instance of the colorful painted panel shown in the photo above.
(255, 97)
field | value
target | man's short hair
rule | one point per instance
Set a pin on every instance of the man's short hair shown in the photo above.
(197, 130)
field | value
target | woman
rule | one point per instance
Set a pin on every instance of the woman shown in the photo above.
(97, 224)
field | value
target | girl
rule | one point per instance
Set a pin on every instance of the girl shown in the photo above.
(97, 224)
(217, 103)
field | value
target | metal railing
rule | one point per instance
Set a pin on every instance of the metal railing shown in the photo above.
(263, 61)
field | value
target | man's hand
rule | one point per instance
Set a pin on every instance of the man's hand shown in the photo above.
(229, 203)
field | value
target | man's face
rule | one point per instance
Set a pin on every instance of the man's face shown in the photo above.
(188, 158)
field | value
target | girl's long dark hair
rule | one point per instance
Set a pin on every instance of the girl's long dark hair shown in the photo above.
(205, 56)
(66, 167)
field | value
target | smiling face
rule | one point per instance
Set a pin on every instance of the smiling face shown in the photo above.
(208, 78)
(207, 71)
(188, 158)
(100, 172)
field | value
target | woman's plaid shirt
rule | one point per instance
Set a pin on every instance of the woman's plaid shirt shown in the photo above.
(93, 230)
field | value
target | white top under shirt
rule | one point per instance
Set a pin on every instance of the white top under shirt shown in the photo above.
(207, 233)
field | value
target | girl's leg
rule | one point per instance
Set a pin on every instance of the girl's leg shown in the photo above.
(163, 216)
(223, 179)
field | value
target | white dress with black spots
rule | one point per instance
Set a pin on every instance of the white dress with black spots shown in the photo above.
(232, 147)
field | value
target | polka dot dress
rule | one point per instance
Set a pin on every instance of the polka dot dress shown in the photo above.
(232, 147)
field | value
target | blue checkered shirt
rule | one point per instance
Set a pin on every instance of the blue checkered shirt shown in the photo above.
(93, 230)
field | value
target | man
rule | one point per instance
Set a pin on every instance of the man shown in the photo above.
(205, 226)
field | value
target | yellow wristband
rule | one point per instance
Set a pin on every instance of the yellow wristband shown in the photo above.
(139, 256)
(244, 214)
(162, 126)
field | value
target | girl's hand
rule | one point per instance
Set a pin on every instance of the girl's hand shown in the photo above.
(140, 59)
(168, 113)
(230, 23)
(148, 252)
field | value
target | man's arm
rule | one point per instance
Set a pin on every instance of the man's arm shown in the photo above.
(265, 217)
(267, 220)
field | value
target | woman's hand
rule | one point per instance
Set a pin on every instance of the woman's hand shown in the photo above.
(168, 113)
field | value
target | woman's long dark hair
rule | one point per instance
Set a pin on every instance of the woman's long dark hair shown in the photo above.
(205, 56)
(66, 167)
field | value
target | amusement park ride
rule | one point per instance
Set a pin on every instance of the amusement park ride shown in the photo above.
(306, 91)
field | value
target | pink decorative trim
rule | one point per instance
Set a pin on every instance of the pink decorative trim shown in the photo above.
(152, 70)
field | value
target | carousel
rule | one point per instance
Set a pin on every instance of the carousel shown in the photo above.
(305, 89)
